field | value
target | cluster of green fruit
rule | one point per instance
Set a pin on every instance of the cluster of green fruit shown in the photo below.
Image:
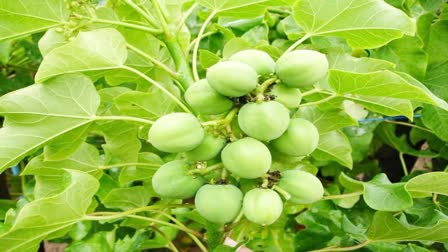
(259, 93)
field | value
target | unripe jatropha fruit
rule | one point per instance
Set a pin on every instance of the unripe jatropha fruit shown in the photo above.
(231, 78)
(218, 203)
(300, 139)
(262, 206)
(246, 158)
(172, 181)
(176, 132)
(208, 149)
(288, 97)
(258, 60)
(264, 121)
(304, 187)
(301, 68)
(205, 100)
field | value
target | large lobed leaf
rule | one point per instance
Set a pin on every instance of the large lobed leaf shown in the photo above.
(23, 17)
(50, 217)
(40, 113)
(363, 23)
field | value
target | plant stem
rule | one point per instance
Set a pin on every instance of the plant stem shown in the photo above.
(310, 92)
(341, 196)
(206, 170)
(167, 239)
(360, 245)
(180, 61)
(319, 102)
(153, 60)
(144, 14)
(263, 86)
(403, 164)
(162, 17)
(193, 42)
(105, 167)
(282, 192)
(297, 43)
(185, 16)
(225, 121)
(196, 45)
(124, 118)
(410, 125)
(128, 25)
(158, 85)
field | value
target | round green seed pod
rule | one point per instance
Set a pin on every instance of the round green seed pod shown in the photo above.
(172, 181)
(304, 187)
(246, 158)
(262, 206)
(210, 147)
(205, 100)
(219, 203)
(301, 68)
(232, 78)
(263, 121)
(288, 97)
(176, 132)
(300, 139)
(258, 60)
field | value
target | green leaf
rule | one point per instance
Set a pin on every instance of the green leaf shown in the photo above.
(407, 54)
(51, 40)
(437, 120)
(233, 46)
(326, 121)
(148, 163)
(207, 58)
(363, 23)
(151, 104)
(127, 198)
(66, 144)
(122, 145)
(431, 182)
(380, 194)
(21, 18)
(93, 51)
(40, 113)
(239, 8)
(380, 83)
(387, 228)
(50, 217)
(340, 60)
(385, 105)
(386, 132)
(334, 145)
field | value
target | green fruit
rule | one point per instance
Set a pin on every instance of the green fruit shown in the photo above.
(301, 68)
(172, 181)
(300, 139)
(258, 60)
(205, 100)
(304, 187)
(264, 121)
(288, 97)
(176, 132)
(246, 158)
(218, 203)
(232, 78)
(208, 149)
(262, 206)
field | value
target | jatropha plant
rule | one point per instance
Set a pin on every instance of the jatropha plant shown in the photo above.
(211, 125)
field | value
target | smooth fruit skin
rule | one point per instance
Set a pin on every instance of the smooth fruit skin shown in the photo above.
(176, 132)
(218, 203)
(301, 68)
(258, 60)
(232, 78)
(304, 187)
(205, 100)
(264, 121)
(172, 181)
(262, 206)
(300, 139)
(246, 158)
(288, 97)
(208, 149)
